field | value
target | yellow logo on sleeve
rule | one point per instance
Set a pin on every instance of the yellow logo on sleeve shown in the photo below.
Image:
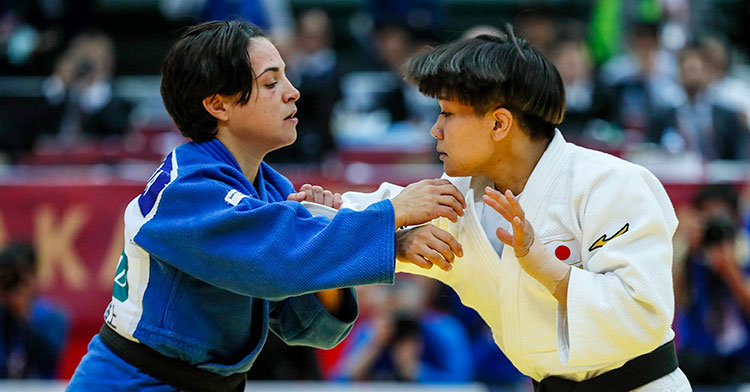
(603, 239)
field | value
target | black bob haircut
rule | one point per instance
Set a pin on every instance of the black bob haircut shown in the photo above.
(489, 71)
(209, 58)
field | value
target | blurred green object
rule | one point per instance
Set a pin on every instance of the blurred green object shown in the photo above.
(606, 26)
(649, 11)
(605, 30)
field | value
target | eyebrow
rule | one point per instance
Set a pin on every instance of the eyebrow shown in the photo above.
(273, 69)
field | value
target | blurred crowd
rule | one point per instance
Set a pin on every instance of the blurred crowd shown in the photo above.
(646, 75)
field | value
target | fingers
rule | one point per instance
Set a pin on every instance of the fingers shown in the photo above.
(448, 239)
(327, 198)
(299, 196)
(307, 189)
(447, 188)
(504, 236)
(452, 202)
(337, 201)
(318, 196)
(515, 205)
(504, 203)
(437, 259)
(419, 261)
(518, 231)
(492, 202)
(428, 245)
(447, 212)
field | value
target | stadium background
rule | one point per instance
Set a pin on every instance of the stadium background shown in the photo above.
(63, 187)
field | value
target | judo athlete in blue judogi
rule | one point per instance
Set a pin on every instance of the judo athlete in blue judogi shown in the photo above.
(218, 247)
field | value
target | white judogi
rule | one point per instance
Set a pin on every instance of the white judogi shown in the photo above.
(620, 295)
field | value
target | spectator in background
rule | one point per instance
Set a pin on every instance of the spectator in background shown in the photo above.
(712, 291)
(33, 32)
(725, 89)
(80, 104)
(32, 330)
(587, 102)
(394, 43)
(407, 339)
(715, 323)
(642, 80)
(314, 69)
(402, 28)
(539, 28)
(698, 125)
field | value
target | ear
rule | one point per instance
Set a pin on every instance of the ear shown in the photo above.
(217, 106)
(502, 120)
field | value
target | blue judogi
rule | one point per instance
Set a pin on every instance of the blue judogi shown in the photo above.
(204, 247)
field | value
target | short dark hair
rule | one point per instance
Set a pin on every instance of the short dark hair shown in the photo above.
(721, 192)
(209, 58)
(17, 262)
(490, 71)
(717, 230)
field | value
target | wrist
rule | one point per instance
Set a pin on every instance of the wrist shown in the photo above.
(544, 267)
(398, 218)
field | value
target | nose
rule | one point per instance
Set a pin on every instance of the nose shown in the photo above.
(437, 131)
(292, 94)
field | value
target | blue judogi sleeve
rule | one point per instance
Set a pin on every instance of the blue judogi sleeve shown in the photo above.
(212, 227)
(304, 321)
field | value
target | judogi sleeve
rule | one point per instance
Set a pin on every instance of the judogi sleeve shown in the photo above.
(359, 201)
(622, 304)
(266, 250)
(304, 321)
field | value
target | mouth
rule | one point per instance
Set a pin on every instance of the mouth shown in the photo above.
(291, 117)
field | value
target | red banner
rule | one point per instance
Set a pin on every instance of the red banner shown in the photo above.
(78, 234)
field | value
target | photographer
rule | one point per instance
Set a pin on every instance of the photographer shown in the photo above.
(32, 330)
(79, 99)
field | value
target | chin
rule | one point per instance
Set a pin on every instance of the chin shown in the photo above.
(455, 172)
(291, 139)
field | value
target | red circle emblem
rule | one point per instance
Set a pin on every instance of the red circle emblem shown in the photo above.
(562, 252)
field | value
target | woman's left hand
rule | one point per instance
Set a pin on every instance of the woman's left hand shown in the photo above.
(316, 194)
(508, 206)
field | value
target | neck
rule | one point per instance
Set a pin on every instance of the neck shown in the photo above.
(515, 160)
(248, 159)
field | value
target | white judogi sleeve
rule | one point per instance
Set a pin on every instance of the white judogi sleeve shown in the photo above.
(359, 201)
(623, 299)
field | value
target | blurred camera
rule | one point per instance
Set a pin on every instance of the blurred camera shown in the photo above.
(84, 66)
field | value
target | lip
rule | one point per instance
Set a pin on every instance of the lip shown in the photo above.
(291, 115)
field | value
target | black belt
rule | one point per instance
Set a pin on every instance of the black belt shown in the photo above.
(635, 373)
(167, 369)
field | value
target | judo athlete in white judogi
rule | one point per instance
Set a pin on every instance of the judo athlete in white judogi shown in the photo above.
(566, 252)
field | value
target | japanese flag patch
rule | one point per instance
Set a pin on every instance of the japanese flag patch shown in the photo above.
(567, 251)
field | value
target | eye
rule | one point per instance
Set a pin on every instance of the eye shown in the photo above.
(445, 114)
(272, 84)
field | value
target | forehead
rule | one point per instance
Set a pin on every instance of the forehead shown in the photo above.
(263, 55)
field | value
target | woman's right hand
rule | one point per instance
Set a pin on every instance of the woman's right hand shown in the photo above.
(426, 200)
